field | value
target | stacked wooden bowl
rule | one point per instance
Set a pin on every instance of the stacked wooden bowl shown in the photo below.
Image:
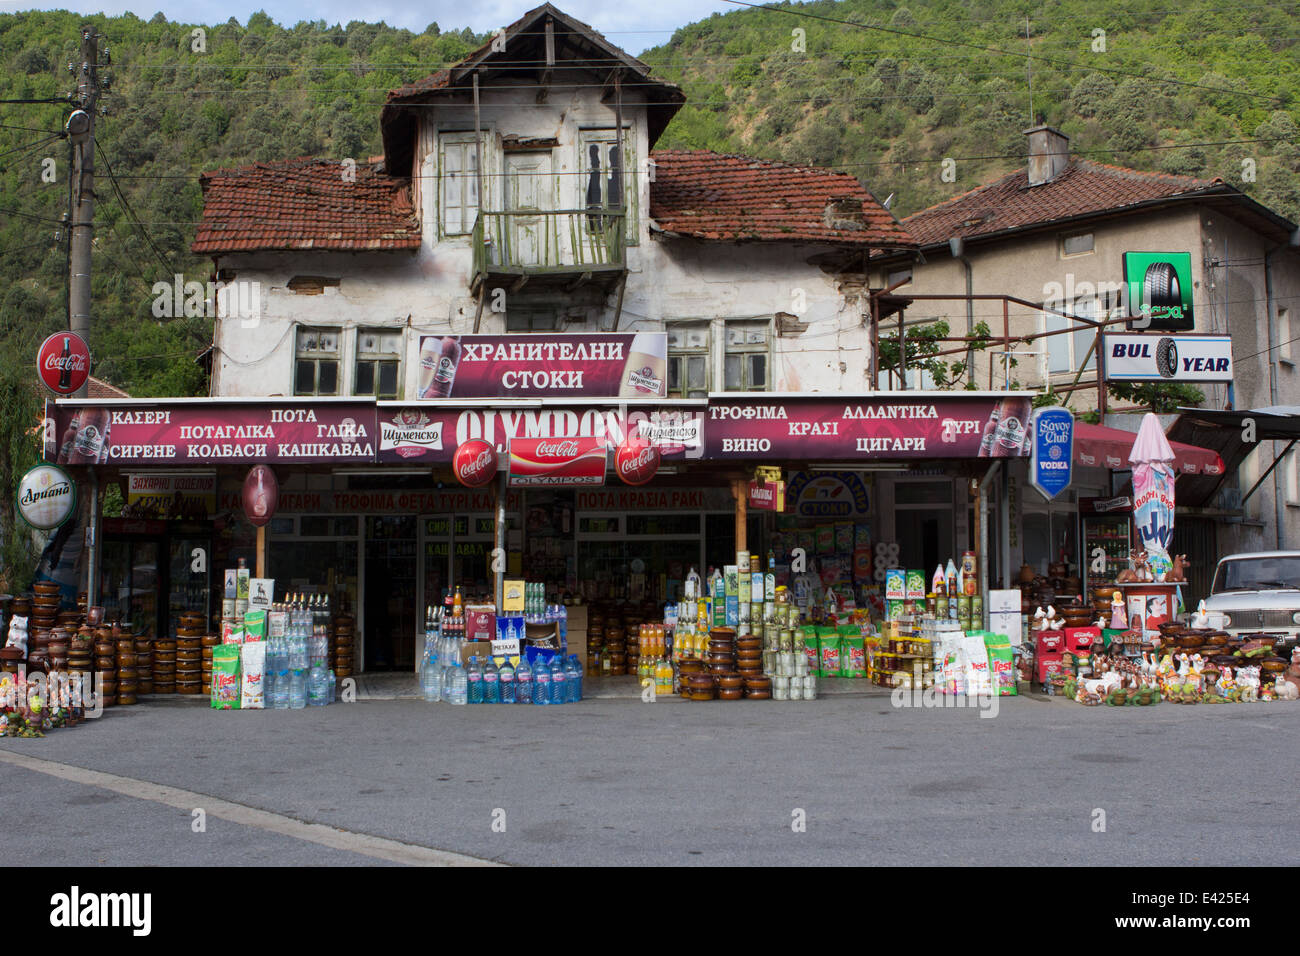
(58, 648)
(730, 686)
(209, 641)
(128, 672)
(164, 666)
(749, 656)
(758, 687)
(686, 669)
(344, 656)
(632, 641)
(189, 660)
(721, 656)
(700, 687)
(81, 651)
(44, 606)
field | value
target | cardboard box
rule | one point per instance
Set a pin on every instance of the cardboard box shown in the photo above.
(480, 622)
(895, 584)
(481, 649)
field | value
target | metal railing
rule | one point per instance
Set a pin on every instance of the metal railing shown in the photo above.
(538, 242)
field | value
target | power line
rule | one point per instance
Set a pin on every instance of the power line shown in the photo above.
(130, 213)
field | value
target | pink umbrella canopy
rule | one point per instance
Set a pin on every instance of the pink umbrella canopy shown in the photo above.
(1151, 445)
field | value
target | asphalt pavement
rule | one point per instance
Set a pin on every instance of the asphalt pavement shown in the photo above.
(847, 779)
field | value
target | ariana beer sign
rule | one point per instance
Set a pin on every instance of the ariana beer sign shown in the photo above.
(63, 362)
(46, 497)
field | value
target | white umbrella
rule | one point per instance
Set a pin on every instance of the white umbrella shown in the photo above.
(1153, 493)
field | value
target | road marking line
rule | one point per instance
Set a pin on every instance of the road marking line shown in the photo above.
(394, 851)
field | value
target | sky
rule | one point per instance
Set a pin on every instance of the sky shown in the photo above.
(632, 26)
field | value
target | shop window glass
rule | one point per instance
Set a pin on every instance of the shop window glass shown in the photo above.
(688, 361)
(379, 360)
(923, 493)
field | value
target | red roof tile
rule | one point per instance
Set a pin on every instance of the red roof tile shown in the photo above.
(305, 204)
(98, 388)
(735, 198)
(1081, 189)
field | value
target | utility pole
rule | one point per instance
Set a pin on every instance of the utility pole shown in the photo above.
(81, 130)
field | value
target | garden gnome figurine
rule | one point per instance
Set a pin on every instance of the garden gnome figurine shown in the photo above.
(1118, 619)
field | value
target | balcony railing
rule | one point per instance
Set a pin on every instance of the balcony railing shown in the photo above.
(569, 242)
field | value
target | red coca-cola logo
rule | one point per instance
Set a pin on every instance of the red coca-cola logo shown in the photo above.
(557, 449)
(475, 463)
(636, 461)
(63, 362)
(261, 495)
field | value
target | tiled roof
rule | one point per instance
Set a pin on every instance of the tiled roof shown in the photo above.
(1081, 189)
(305, 204)
(735, 198)
(98, 388)
(438, 81)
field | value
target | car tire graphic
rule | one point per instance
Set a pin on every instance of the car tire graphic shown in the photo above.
(1160, 289)
(1167, 358)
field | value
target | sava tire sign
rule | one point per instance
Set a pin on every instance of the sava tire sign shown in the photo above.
(1168, 358)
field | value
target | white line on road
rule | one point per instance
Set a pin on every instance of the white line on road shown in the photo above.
(393, 851)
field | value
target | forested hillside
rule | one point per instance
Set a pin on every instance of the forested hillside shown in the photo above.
(1197, 88)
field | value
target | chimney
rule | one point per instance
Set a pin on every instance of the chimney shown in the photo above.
(1049, 154)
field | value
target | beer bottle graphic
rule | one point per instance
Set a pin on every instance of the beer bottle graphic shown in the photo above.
(439, 359)
(989, 438)
(646, 367)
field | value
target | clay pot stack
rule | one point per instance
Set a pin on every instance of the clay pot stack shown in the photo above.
(758, 687)
(209, 641)
(344, 658)
(144, 665)
(128, 672)
(632, 640)
(81, 650)
(616, 650)
(164, 666)
(189, 654)
(721, 656)
(749, 656)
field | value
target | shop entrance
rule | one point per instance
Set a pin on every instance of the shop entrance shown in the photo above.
(923, 523)
(390, 612)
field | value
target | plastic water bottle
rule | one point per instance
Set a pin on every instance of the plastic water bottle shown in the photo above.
(573, 678)
(562, 617)
(297, 689)
(523, 682)
(491, 683)
(559, 682)
(316, 686)
(474, 681)
(277, 693)
(457, 685)
(430, 677)
(334, 682)
(507, 675)
(541, 682)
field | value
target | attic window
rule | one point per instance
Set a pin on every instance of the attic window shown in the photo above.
(1076, 245)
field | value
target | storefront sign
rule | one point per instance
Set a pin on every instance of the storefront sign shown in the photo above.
(475, 463)
(385, 502)
(261, 495)
(636, 461)
(655, 499)
(46, 497)
(609, 365)
(557, 462)
(895, 428)
(171, 495)
(834, 494)
(676, 432)
(1168, 358)
(63, 362)
(1052, 455)
(409, 433)
(1159, 290)
(767, 496)
(211, 433)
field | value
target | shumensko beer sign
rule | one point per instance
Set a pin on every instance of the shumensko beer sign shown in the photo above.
(46, 497)
(580, 365)
(1168, 358)
(63, 362)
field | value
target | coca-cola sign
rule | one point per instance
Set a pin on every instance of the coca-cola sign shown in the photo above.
(63, 362)
(636, 461)
(46, 497)
(261, 495)
(475, 463)
(557, 462)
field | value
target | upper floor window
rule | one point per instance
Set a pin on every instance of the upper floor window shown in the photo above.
(316, 361)
(745, 360)
(457, 183)
(531, 320)
(1284, 343)
(608, 179)
(379, 363)
(688, 360)
(1073, 351)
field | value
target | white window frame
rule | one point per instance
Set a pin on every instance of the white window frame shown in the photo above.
(1077, 342)
(685, 354)
(604, 137)
(459, 172)
(318, 356)
(376, 358)
(745, 349)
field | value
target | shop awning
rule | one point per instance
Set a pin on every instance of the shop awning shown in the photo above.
(1236, 433)
(1098, 446)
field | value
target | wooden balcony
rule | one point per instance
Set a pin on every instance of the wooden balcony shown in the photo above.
(552, 249)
